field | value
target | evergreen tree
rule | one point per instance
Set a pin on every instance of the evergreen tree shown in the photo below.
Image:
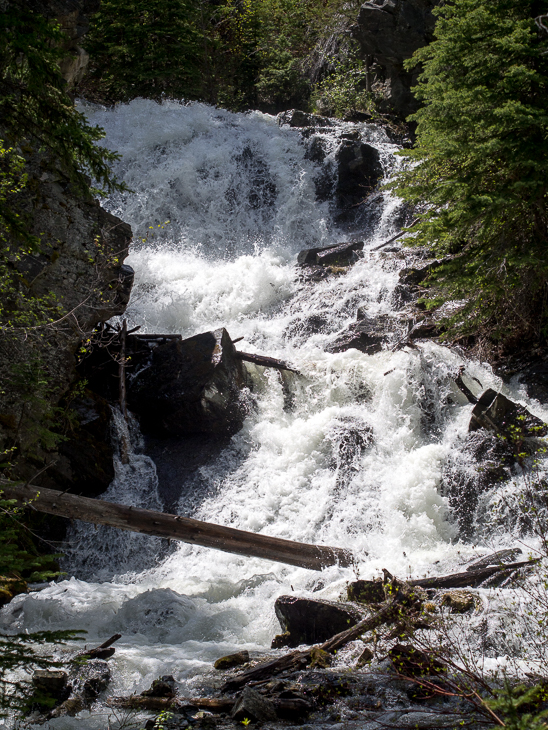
(479, 172)
(147, 48)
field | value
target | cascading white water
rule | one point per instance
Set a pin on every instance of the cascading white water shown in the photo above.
(350, 463)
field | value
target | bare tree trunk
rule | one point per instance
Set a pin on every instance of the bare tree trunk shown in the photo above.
(228, 539)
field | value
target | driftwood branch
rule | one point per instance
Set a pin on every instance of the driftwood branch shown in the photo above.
(472, 577)
(398, 235)
(148, 522)
(298, 659)
(265, 362)
(104, 651)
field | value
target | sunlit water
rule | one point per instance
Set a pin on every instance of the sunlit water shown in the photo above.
(239, 196)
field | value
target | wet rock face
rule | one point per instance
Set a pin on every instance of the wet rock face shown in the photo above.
(308, 621)
(464, 483)
(368, 335)
(189, 386)
(359, 170)
(389, 32)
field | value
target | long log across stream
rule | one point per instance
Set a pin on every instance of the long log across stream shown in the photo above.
(185, 529)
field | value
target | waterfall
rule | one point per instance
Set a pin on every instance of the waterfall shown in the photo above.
(353, 453)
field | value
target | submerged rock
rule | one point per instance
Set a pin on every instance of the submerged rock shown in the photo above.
(232, 660)
(368, 336)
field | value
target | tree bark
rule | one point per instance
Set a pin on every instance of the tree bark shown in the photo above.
(218, 537)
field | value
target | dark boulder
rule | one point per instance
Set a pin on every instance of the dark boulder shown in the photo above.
(495, 412)
(311, 621)
(366, 591)
(163, 687)
(189, 386)
(85, 465)
(252, 706)
(359, 170)
(340, 254)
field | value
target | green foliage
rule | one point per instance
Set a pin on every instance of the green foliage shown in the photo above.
(344, 90)
(478, 170)
(239, 54)
(35, 108)
(147, 48)
(518, 707)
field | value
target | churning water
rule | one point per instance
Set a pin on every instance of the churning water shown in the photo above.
(353, 458)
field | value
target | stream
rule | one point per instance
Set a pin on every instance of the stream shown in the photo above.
(352, 453)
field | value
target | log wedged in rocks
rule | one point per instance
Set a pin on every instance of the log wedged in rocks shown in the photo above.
(497, 558)
(401, 598)
(218, 537)
(104, 651)
(337, 253)
(471, 578)
(265, 361)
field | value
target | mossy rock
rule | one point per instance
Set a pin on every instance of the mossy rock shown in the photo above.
(232, 660)
(366, 591)
(460, 601)
(10, 587)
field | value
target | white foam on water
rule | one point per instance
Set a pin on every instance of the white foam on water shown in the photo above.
(355, 461)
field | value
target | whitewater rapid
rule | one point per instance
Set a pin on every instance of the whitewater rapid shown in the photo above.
(220, 205)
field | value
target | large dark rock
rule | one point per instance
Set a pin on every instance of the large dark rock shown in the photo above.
(85, 464)
(389, 32)
(308, 621)
(359, 170)
(495, 412)
(252, 706)
(189, 386)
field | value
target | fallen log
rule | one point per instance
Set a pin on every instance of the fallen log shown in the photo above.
(265, 362)
(185, 529)
(398, 235)
(282, 706)
(298, 659)
(472, 577)
(497, 558)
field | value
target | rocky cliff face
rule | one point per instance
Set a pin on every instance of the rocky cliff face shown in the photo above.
(79, 270)
(73, 17)
(389, 32)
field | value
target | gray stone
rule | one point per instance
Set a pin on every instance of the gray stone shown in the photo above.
(251, 705)
(389, 32)
(297, 118)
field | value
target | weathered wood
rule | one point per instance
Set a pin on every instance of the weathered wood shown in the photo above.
(497, 558)
(104, 651)
(464, 388)
(299, 659)
(185, 529)
(398, 235)
(265, 362)
(213, 704)
(471, 578)
(124, 443)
